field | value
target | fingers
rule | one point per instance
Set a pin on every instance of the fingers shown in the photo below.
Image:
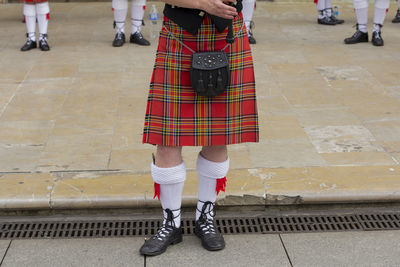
(225, 11)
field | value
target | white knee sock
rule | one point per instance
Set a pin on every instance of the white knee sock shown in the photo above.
(43, 16)
(398, 4)
(362, 18)
(137, 13)
(380, 13)
(321, 8)
(171, 181)
(328, 8)
(120, 8)
(208, 173)
(30, 21)
(247, 11)
(379, 17)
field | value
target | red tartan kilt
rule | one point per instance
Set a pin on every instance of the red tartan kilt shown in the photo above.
(176, 115)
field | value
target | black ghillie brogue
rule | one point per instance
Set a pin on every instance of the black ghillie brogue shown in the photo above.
(358, 37)
(211, 238)
(119, 39)
(167, 235)
(137, 38)
(30, 44)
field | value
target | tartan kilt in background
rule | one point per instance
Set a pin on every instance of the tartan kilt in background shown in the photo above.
(176, 115)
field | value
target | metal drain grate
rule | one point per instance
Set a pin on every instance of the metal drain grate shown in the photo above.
(237, 225)
(380, 221)
(328, 223)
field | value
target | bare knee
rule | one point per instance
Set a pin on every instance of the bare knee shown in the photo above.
(168, 156)
(215, 153)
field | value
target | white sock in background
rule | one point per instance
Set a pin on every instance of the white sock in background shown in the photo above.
(380, 13)
(137, 13)
(171, 181)
(120, 8)
(43, 15)
(328, 8)
(321, 8)
(247, 11)
(362, 19)
(30, 21)
(208, 173)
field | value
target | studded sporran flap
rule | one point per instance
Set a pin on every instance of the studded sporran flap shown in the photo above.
(209, 73)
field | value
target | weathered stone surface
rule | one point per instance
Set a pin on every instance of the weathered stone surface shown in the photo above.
(329, 122)
(240, 250)
(75, 252)
(25, 191)
(343, 249)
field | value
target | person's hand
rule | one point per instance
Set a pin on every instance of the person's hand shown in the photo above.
(220, 8)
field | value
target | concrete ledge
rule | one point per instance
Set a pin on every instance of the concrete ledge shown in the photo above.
(276, 186)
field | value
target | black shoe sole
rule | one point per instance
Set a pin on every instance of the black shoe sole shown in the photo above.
(173, 242)
(205, 245)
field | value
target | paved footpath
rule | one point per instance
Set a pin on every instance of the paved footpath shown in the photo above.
(71, 119)
(311, 249)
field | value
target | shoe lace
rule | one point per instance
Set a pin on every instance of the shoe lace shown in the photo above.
(139, 35)
(168, 225)
(119, 35)
(43, 38)
(206, 220)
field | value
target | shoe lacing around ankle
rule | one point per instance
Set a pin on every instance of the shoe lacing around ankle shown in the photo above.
(139, 34)
(378, 33)
(206, 223)
(119, 35)
(168, 225)
(43, 37)
(29, 39)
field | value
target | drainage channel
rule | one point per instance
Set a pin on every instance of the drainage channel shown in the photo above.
(227, 225)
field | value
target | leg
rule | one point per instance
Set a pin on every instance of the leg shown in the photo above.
(30, 21)
(138, 7)
(212, 167)
(361, 35)
(324, 14)
(169, 174)
(120, 9)
(381, 7)
(43, 16)
(397, 17)
(321, 9)
(248, 9)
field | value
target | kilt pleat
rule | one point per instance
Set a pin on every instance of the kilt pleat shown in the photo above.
(176, 115)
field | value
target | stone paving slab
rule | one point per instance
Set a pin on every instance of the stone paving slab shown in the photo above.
(344, 249)
(3, 248)
(75, 252)
(329, 118)
(258, 186)
(240, 250)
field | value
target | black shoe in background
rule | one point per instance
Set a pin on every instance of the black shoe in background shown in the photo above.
(397, 17)
(167, 235)
(43, 45)
(252, 40)
(211, 238)
(336, 20)
(119, 39)
(137, 38)
(326, 21)
(28, 45)
(358, 37)
(377, 38)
